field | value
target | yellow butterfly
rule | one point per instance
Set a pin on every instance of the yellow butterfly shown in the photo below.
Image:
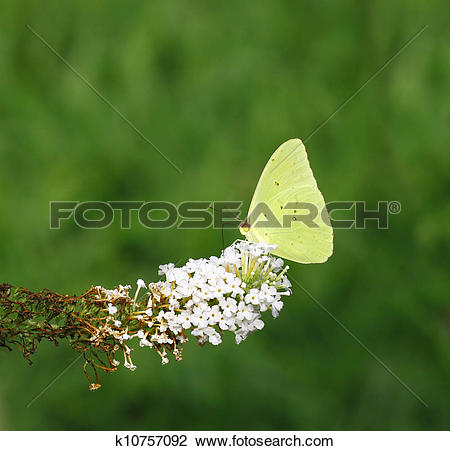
(286, 191)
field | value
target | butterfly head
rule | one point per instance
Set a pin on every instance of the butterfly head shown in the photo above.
(244, 227)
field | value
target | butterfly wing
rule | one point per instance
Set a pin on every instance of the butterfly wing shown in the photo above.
(287, 182)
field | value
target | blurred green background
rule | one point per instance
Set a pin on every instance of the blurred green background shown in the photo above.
(217, 86)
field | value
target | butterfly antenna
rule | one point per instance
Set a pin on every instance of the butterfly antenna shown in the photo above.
(222, 232)
(223, 241)
(220, 211)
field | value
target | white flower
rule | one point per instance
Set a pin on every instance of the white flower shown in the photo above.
(278, 263)
(268, 293)
(112, 309)
(179, 276)
(252, 297)
(231, 255)
(117, 323)
(240, 336)
(224, 323)
(140, 334)
(197, 281)
(214, 315)
(141, 284)
(199, 332)
(169, 316)
(208, 292)
(191, 265)
(244, 311)
(130, 366)
(258, 323)
(185, 319)
(276, 308)
(215, 339)
(181, 339)
(221, 289)
(286, 282)
(144, 342)
(200, 317)
(234, 287)
(175, 327)
(164, 269)
(228, 306)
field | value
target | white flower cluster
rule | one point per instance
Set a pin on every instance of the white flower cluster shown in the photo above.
(205, 296)
(225, 293)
